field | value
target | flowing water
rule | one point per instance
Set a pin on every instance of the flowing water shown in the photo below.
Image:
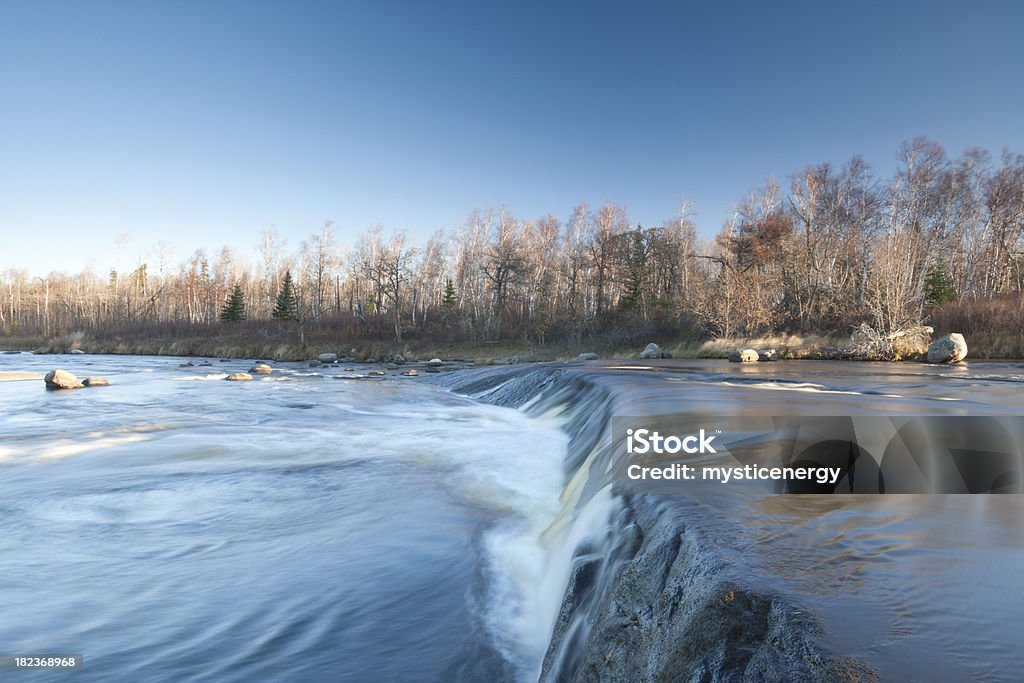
(175, 526)
(178, 527)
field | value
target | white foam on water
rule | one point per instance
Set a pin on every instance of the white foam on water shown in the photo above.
(201, 378)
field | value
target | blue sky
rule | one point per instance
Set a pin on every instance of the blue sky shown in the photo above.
(203, 123)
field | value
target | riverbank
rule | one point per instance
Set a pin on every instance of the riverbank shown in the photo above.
(258, 346)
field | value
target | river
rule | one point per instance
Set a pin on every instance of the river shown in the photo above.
(174, 526)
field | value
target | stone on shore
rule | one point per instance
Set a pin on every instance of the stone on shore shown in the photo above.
(951, 348)
(652, 350)
(95, 382)
(589, 355)
(261, 369)
(744, 356)
(239, 377)
(61, 379)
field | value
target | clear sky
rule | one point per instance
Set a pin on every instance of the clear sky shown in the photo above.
(203, 123)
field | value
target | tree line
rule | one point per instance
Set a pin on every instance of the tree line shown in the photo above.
(831, 248)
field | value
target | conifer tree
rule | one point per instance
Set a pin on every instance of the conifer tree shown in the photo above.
(287, 305)
(448, 300)
(234, 307)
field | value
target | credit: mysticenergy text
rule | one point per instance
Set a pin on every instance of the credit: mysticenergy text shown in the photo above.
(645, 441)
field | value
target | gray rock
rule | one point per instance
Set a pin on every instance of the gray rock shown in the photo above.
(951, 348)
(652, 350)
(410, 373)
(95, 382)
(435, 362)
(327, 357)
(589, 355)
(76, 352)
(766, 355)
(744, 356)
(398, 359)
(261, 369)
(61, 379)
(239, 377)
(377, 373)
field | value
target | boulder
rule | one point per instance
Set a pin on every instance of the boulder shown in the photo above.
(327, 357)
(398, 359)
(261, 369)
(239, 377)
(95, 382)
(76, 352)
(765, 355)
(652, 350)
(744, 356)
(589, 355)
(61, 379)
(435, 362)
(951, 348)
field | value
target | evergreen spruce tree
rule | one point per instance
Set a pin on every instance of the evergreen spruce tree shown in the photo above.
(448, 300)
(287, 305)
(234, 307)
(938, 285)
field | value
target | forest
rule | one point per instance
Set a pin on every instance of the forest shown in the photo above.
(940, 242)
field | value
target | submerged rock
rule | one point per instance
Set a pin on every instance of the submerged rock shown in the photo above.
(61, 379)
(261, 369)
(589, 355)
(744, 356)
(951, 348)
(652, 350)
(95, 382)
(239, 377)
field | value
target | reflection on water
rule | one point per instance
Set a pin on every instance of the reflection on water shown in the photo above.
(922, 587)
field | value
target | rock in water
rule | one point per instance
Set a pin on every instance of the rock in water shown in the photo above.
(76, 352)
(767, 355)
(744, 356)
(951, 348)
(410, 373)
(60, 379)
(435, 362)
(327, 357)
(95, 382)
(239, 377)
(398, 359)
(261, 369)
(652, 350)
(589, 355)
